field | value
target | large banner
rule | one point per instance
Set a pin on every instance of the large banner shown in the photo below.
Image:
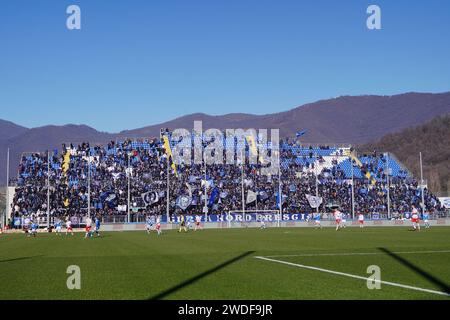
(242, 218)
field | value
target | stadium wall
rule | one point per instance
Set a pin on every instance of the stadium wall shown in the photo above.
(289, 224)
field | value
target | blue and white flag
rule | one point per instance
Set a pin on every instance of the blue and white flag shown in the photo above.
(184, 201)
(110, 197)
(116, 175)
(223, 194)
(251, 196)
(298, 134)
(314, 201)
(263, 195)
(150, 197)
(283, 199)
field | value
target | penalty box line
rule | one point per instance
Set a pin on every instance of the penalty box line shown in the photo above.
(349, 275)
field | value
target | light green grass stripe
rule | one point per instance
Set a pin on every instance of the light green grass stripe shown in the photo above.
(354, 253)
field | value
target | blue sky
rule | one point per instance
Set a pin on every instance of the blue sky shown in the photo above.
(136, 63)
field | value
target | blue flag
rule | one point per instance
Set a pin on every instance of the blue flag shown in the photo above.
(213, 197)
(298, 134)
(283, 199)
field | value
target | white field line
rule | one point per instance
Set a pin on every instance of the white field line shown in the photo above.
(394, 284)
(354, 253)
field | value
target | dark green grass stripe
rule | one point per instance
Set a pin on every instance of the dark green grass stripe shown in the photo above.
(200, 276)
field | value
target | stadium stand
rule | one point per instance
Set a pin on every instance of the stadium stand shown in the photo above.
(335, 169)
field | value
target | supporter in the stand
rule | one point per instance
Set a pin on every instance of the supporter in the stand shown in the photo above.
(109, 176)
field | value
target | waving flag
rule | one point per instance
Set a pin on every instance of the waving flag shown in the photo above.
(314, 201)
(252, 144)
(248, 182)
(150, 197)
(263, 196)
(184, 201)
(111, 197)
(283, 199)
(213, 197)
(129, 172)
(209, 183)
(251, 196)
(116, 175)
(298, 134)
(169, 154)
(223, 194)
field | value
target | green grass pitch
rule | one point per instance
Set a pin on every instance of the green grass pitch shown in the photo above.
(223, 264)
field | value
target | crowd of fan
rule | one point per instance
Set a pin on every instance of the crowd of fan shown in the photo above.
(111, 182)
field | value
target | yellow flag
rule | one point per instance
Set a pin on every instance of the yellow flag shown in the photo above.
(66, 162)
(252, 144)
(169, 154)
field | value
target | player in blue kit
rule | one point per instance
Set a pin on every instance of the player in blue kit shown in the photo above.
(97, 226)
(58, 227)
(426, 219)
(317, 220)
(149, 222)
(34, 227)
(262, 222)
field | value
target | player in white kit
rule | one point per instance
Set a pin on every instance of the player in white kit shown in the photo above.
(69, 227)
(198, 219)
(338, 218)
(361, 220)
(344, 220)
(88, 227)
(158, 225)
(27, 225)
(415, 218)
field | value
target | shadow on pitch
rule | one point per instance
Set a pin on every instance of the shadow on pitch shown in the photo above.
(21, 258)
(198, 277)
(444, 287)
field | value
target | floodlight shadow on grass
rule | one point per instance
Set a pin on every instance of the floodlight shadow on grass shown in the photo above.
(199, 276)
(20, 258)
(444, 287)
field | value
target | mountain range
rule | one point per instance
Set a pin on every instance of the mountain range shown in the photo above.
(352, 120)
(433, 140)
